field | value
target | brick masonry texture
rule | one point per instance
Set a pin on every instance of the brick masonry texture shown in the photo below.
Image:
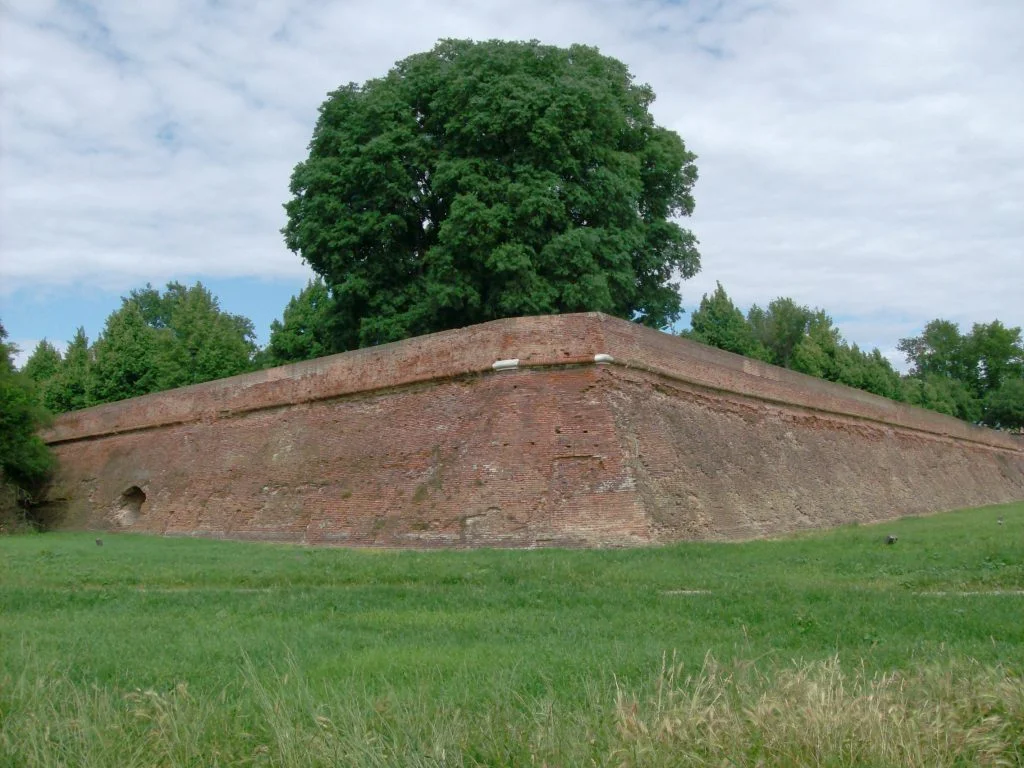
(420, 443)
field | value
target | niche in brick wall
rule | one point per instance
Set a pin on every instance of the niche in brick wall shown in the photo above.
(129, 508)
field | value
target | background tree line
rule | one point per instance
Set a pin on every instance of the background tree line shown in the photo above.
(976, 376)
(152, 342)
(160, 340)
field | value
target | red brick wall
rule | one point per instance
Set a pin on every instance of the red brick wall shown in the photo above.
(420, 443)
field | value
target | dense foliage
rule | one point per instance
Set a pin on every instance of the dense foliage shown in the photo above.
(25, 462)
(486, 180)
(720, 323)
(303, 333)
(792, 336)
(71, 388)
(978, 377)
(154, 341)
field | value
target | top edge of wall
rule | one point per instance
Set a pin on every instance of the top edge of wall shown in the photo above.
(546, 340)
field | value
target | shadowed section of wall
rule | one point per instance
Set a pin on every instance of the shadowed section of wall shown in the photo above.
(421, 443)
(712, 466)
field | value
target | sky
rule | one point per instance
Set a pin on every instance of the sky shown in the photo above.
(863, 156)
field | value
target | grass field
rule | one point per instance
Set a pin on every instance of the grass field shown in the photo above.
(829, 648)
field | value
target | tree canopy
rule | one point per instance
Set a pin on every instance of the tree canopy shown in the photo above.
(71, 386)
(304, 330)
(154, 341)
(719, 323)
(127, 359)
(977, 376)
(43, 367)
(792, 336)
(196, 341)
(485, 180)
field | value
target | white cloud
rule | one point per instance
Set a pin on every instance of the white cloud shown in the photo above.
(864, 157)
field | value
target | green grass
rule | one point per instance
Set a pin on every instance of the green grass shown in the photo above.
(192, 652)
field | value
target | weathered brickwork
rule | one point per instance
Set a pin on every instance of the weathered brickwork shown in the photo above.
(421, 443)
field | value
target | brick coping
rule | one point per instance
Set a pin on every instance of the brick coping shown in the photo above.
(490, 349)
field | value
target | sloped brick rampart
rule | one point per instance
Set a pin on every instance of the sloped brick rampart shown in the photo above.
(422, 443)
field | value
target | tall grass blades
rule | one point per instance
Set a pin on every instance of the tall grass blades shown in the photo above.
(807, 714)
(820, 714)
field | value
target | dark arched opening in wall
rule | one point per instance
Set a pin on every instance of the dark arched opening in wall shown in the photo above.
(130, 507)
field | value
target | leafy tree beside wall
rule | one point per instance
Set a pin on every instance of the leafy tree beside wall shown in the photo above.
(719, 323)
(197, 341)
(942, 394)
(157, 341)
(1004, 407)
(25, 462)
(939, 351)
(44, 363)
(71, 389)
(128, 357)
(43, 367)
(486, 180)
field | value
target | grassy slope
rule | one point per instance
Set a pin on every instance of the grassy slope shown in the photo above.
(483, 632)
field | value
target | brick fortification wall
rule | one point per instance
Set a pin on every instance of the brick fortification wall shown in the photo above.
(422, 443)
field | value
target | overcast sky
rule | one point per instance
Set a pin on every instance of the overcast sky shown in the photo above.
(865, 156)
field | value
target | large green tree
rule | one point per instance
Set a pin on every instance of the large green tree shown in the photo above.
(940, 350)
(806, 340)
(127, 357)
(197, 341)
(44, 363)
(782, 326)
(995, 355)
(793, 336)
(943, 394)
(1004, 407)
(485, 180)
